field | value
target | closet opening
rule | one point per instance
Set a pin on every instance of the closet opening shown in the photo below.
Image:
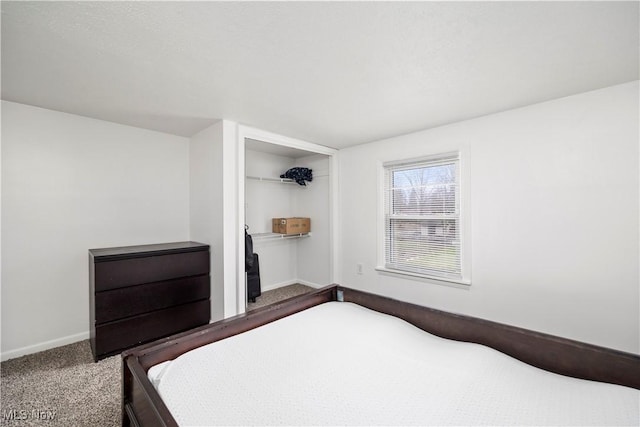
(290, 259)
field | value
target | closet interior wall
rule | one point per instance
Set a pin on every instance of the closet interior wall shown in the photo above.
(288, 260)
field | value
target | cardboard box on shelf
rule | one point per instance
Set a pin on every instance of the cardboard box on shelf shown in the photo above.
(295, 225)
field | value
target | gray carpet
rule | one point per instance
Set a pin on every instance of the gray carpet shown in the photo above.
(65, 383)
(279, 294)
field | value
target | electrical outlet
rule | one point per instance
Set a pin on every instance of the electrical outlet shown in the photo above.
(358, 268)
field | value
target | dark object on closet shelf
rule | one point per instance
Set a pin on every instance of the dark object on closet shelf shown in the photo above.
(253, 280)
(248, 251)
(299, 175)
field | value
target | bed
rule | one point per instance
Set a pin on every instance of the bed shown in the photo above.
(338, 356)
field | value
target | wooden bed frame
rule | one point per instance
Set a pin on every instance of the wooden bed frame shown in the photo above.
(142, 406)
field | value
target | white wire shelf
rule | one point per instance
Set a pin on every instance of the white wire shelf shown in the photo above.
(265, 236)
(280, 180)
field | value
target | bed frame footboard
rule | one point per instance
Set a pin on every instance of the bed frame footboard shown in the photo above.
(142, 405)
(551, 353)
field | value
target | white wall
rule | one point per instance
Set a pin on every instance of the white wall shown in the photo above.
(213, 218)
(314, 253)
(554, 212)
(205, 202)
(69, 184)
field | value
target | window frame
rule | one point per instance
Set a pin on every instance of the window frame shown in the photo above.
(462, 175)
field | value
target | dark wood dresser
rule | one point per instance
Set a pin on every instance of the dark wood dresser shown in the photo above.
(141, 293)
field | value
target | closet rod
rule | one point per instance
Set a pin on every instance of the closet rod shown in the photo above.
(282, 180)
(264, 236)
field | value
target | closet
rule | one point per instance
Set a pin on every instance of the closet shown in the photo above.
(288, 259)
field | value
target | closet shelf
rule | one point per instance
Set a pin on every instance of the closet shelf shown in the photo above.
(280, 180)
(264, 236)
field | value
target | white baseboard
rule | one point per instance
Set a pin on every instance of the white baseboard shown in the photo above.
(310, 284)
(278, 285)
(290, 282)
(35, 348)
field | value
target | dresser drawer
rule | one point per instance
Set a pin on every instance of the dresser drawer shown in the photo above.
(119, 303)
(134, 271)
(113, 337)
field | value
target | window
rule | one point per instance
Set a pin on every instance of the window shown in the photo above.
(422, 217)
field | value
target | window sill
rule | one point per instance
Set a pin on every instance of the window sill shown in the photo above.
(458, 283)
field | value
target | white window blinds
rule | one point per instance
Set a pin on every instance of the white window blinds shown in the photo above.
(422, 217)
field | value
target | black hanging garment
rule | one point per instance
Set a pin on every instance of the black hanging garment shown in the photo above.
(248, 251)
(299, 175)
(253, 280)
(252, 268)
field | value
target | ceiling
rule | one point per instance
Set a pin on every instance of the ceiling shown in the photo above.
(333, 73)
(276, 149)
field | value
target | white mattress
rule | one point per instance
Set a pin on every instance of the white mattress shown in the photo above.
(342, 364)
